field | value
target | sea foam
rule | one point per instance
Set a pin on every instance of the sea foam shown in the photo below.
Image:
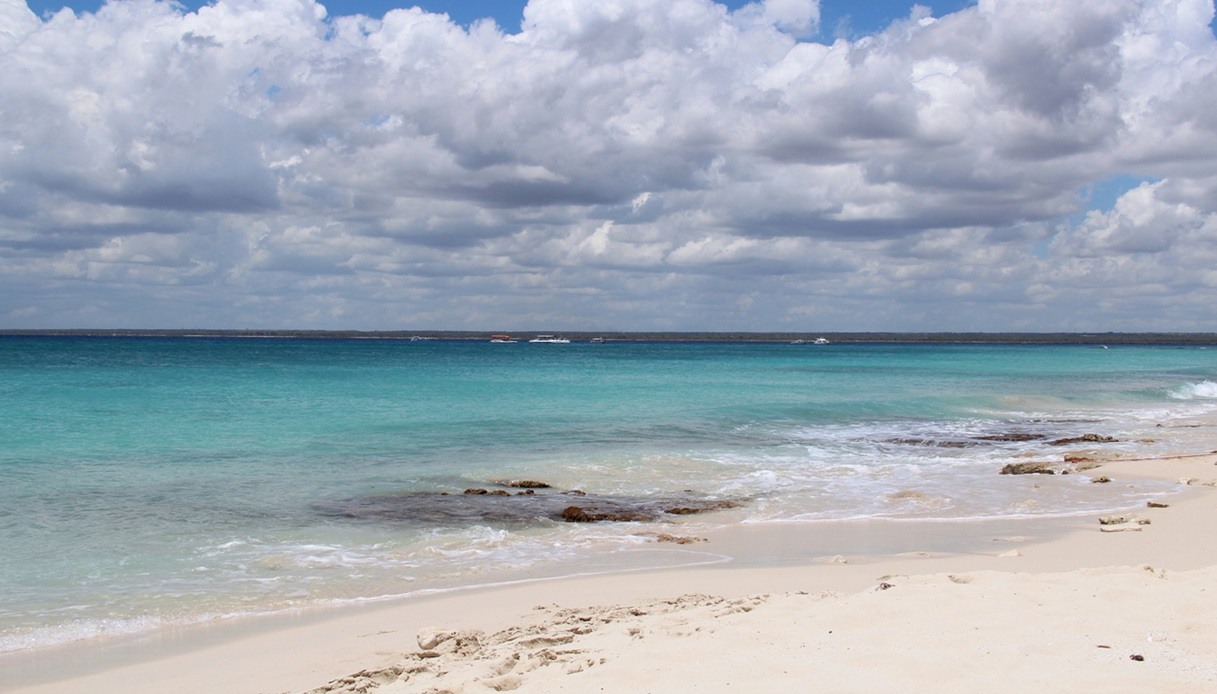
(1204, 390)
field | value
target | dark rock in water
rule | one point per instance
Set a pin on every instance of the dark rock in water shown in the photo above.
(931, 442)
(525, 484)
(690, 510)
(1029, 468)
(1013, 436)
(1087, 462)
(1101, 479)
(1005, 437)
(529, 507)
(578, 514)
(576, 492)
(574, 514)
(616, 511)
(1085, 438)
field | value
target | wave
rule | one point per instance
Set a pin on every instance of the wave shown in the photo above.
(35, 637)
(1204, 390)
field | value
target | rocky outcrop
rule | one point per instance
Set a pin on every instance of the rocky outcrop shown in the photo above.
(1085, 438)
(1084, 461)
(1029, 468)
(703, 508)
(1014, 436)
(524, 484)
(579, 514)
(613, 510)
(936, 443)
(952, 440)
(529, 506)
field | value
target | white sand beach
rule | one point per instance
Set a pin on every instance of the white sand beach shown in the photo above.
(1060, 604)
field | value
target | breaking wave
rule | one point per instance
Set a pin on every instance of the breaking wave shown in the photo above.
(1204, 390)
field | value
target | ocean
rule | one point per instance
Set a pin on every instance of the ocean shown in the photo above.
(153, 481)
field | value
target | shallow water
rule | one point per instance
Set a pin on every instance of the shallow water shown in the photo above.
(146, 481)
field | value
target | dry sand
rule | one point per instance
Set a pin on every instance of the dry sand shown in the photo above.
(1058, 605)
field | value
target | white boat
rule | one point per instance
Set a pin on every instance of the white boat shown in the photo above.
(551, 339)
(596, 339)
(798, 342)
(821, 341)
(503, 339)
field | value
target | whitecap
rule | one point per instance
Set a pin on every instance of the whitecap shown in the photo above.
(1203, 390)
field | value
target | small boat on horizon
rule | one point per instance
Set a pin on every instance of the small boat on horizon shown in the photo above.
(550, 339)
(822, 341)
(502, 339)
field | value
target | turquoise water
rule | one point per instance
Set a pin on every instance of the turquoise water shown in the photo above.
(153, 480)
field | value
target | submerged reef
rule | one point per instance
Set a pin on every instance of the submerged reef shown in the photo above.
(538, 503)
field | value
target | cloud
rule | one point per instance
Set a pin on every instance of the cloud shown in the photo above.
(653, 165)
(16, 22)
(799, 17)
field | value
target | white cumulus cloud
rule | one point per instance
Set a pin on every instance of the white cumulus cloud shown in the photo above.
(629, 163)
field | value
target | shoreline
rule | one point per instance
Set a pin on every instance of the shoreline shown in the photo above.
(301, 651)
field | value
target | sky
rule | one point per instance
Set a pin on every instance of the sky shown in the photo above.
(842, 18)
(780, 165)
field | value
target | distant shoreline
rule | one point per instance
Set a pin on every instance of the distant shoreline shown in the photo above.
(1109, 338)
